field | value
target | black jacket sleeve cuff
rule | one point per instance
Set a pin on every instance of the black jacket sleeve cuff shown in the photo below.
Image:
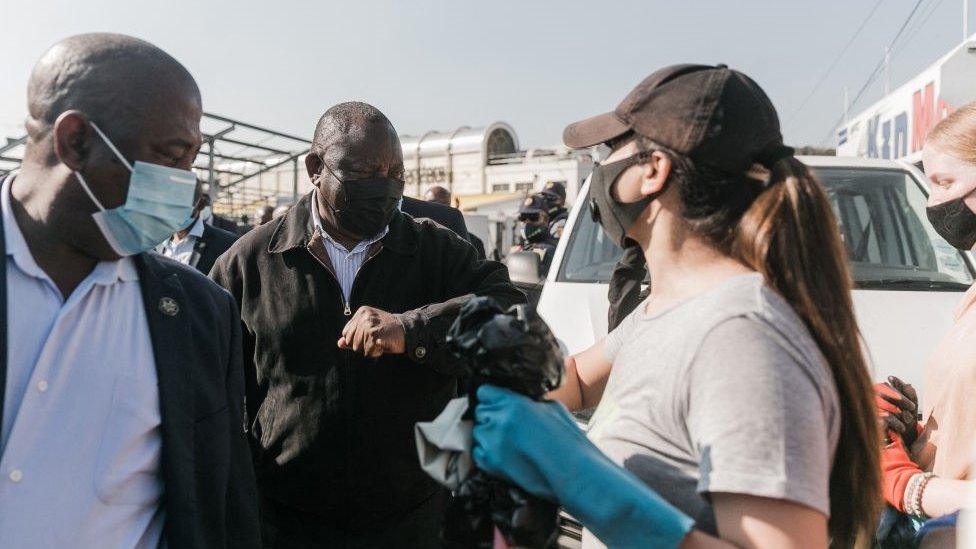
(416, 347)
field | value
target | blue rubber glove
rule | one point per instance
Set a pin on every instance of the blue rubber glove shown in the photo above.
(538, 446)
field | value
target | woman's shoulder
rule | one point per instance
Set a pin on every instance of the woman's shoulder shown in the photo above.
(755, 320)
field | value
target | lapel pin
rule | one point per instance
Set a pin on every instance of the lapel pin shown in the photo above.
(168, 306)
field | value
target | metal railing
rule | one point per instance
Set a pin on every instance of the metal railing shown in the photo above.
(234, 155)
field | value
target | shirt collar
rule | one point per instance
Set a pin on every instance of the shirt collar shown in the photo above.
(317, 225)
(197, 229)
(105, 272)
(293, 230)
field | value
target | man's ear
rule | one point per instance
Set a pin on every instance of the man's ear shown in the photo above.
(72, 139)
(313, 165)
(655, 174)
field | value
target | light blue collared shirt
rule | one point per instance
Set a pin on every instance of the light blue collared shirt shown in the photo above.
(346, 262)
(80, 449)
(182, 250)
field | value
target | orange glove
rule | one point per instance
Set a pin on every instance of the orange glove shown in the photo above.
(885, 398)
(896, 470)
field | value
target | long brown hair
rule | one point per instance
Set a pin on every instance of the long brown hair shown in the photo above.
(790, 235)
(785, 229)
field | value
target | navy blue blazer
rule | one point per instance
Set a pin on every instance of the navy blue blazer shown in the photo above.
(212, 244)
(210, 494)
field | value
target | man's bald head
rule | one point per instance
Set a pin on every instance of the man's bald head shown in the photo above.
(352, 119)
(359, 141)
(438, 194)
(354, 143)
(144, 102)
(110, 77)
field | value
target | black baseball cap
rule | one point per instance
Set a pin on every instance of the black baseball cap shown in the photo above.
(715, 115)
(555, 187)
(534, 204)
(551, 198)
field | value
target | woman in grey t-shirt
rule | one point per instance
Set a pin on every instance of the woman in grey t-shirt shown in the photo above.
(737, 391)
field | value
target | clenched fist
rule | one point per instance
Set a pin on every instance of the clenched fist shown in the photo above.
(373, 332)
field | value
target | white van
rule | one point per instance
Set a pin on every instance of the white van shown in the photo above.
(908, 279)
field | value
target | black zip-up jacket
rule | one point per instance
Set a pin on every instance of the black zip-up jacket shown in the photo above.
(333, 430)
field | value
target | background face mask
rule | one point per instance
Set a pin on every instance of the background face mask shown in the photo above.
(159, 203)
(954, 222)
(533, 232)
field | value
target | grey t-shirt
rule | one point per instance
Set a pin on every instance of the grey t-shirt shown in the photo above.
(725, 392)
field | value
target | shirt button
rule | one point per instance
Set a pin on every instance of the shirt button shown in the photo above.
(420, 352)
(42, 386)
(16, 475)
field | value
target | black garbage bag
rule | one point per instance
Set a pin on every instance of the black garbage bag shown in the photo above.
(513, 349)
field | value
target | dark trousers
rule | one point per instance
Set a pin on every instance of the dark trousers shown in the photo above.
(286, 528)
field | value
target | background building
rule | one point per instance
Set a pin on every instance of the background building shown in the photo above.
(473, 162)
(896, 125)
(248, 167)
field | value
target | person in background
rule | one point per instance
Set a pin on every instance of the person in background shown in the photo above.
(440, 195)
(734, 406)
(346, 302)
(280, 211)
(555, 194)
(208, 215)
(443, 214)
(262, 215)
(122, 413)
(535, 236)
(626, 289)
(199, 244)
(926, 465)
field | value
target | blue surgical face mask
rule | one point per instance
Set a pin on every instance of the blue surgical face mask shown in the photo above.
(158, 204)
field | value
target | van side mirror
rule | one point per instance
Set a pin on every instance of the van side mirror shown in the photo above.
(524, 267)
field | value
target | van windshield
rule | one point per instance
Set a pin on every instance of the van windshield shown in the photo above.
(881, 213)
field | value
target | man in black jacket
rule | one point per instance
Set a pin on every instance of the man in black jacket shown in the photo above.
(346, 302)
(120, 370)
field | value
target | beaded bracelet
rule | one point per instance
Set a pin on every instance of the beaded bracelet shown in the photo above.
(912, 499)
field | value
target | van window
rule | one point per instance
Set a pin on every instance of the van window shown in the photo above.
(881, 214)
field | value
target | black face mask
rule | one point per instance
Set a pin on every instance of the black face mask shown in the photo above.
(534, 232)
(954, 222)
(368, 205)
(615, 217)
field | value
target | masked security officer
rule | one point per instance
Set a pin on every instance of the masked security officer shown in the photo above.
(535, 236)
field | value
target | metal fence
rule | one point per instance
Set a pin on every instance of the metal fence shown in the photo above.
(236, 160)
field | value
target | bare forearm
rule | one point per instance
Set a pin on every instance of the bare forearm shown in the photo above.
(569, 392)
(701, 540)
(943, 496)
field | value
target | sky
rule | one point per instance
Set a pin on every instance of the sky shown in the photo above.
(538, 65)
